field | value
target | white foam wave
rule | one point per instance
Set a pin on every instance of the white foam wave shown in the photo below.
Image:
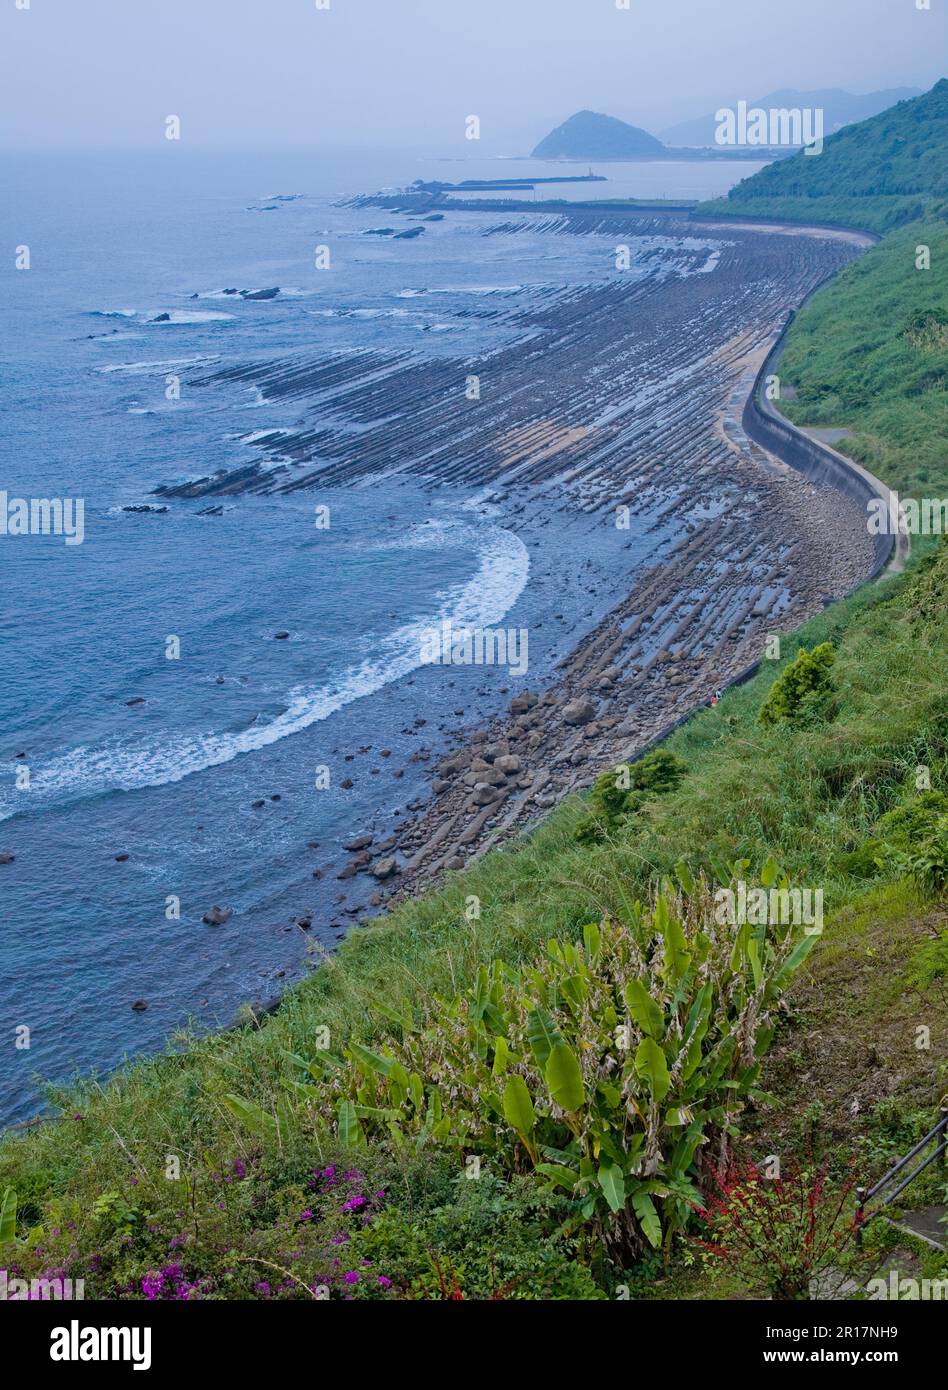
(180, 316)
(165, 364)
(503, 568)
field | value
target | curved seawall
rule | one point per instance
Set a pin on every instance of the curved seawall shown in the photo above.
(825, 466)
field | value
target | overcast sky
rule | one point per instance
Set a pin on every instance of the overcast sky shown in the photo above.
(406, 73)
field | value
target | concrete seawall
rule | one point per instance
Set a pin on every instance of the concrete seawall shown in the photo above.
(772, 431)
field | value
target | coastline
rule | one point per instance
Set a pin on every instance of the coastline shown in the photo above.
(558, 754)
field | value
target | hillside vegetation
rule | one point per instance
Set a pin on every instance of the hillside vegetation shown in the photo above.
(879, 174)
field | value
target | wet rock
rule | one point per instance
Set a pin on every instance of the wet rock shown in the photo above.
(440, 785)
(360, 842)
(350, 870)
(217, 916)
(139, 1005)
(383, 868)
(346, 783)
(136, 700)
(121, 858)
(6, 857)
(280, 636)
(255, 805)
(304, 923)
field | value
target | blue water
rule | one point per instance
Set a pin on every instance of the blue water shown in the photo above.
(116, 241)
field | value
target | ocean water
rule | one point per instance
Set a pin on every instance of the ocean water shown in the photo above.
(116, 242)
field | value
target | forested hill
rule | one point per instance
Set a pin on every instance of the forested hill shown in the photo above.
(880, 173)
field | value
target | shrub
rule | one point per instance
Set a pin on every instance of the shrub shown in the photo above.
(493, 1240)
(802, 692)
(787, 1234)
(601, 1068)
(620, 792)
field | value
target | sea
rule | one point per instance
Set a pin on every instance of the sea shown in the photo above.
(162, 751)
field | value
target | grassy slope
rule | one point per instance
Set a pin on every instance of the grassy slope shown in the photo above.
(810, 795)
(856, 359)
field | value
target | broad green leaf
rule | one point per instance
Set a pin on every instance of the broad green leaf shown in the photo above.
(370, 1061)
(501, 1054)
(651, 1066)
(644, 1208)
(402, 1017)
(644, 1009)
(564, 1077)
(8, 1216)
(769, 872)
(795, 959)
(518, 1107)
(542, 1035)
(685, 878)
(252, 1117)
(613, 1185)
(563, 1177)
(592, 940)
(350, 1131)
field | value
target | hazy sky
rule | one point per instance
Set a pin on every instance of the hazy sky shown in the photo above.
(407, 72)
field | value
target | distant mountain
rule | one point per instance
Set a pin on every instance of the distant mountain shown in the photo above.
(589, 135)
(839, 109)
(901, 152)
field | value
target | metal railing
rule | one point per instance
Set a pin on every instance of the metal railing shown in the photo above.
(939, 1136)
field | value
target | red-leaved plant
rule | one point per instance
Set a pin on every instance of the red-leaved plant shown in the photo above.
(790, 1235)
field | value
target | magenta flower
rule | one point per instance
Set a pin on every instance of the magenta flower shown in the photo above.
(351, 1277)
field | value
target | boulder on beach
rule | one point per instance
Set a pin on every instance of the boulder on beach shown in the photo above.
(578, 712)
(216, 916)
(383, 868)
(523, 702)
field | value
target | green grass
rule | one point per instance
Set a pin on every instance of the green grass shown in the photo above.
(860, 356)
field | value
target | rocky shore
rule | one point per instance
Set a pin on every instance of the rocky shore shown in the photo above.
(613, 399)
